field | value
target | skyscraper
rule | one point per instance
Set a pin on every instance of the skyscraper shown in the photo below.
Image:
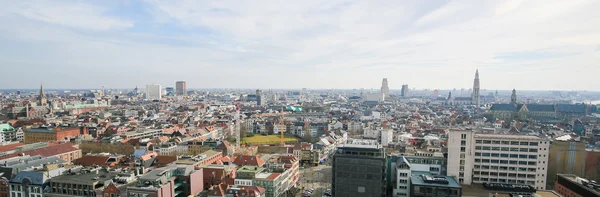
(404, 92)
(153, 92)
(475, 94)
(385, 90)
(180, 88)
(359, 170)
(259, 97)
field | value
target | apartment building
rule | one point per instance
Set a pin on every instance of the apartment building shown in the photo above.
(176, 180)
(142, 133)
(475, 157)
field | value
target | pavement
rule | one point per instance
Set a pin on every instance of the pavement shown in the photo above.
(316, 177)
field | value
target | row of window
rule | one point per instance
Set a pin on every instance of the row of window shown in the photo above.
(504, 168)
(506, 149)
(529, 176)
(513, 143)
(509, 181)
(512, 162)
(503, 155)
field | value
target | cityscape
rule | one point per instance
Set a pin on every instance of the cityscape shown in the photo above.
(184, 98)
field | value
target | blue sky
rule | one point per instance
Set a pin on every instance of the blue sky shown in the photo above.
(528, 45)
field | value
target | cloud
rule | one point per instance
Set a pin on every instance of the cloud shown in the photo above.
(65, 13)
(315, 44)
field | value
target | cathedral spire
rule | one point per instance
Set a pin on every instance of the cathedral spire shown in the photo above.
(475, 95)
(42, 97)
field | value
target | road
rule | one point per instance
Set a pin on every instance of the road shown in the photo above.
(316, 177)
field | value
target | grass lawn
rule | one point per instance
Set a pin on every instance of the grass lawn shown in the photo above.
(269, 139)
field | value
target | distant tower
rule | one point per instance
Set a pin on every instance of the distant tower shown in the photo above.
(259, 97)
(42, 97)
(180, 88)
(385, 90)
(436, 93)
(513, 97)
(404, 91)
(475, 94)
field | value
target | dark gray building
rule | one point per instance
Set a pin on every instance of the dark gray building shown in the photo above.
(259, 97)
(359, 170)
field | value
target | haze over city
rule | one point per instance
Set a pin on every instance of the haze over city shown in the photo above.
(528, 45)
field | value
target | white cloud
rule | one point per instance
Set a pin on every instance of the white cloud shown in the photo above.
(337, 44)
(69, 14)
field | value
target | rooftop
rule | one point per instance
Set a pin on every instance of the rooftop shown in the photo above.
(437, 181)
(500, 136)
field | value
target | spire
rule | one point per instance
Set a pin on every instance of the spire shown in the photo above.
(477, 73)
(42, 91)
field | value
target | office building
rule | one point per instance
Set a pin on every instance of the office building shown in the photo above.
(170, 91)
(572, 185)
(385, 90)
(153, 92)
(359, 170)
(426, 185)
(259, 97)
(476, 157)
(181, 88)
(172, 181)
(404, 91)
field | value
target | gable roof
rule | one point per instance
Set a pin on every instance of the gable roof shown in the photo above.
(578, 108)
(248, 160)
(540, 107)
(50, 150)
(503, 107)
(89, 160)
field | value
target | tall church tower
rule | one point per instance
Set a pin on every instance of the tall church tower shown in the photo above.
(475, 94)
(42, 97)
(385, 90)
(513, 97)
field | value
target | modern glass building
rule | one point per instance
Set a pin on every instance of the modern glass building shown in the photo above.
(359, 170)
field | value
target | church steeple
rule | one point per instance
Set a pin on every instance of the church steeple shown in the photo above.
(475, 95)
(42, 96)
(513, 97)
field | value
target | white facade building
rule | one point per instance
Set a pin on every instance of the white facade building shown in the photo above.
(406, 165)
(372, 133)
(495, 158)
(387, 137)
(153, 92)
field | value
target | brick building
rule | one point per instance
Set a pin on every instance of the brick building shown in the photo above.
(34, 135)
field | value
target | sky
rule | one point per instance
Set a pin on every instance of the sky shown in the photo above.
(434, 44)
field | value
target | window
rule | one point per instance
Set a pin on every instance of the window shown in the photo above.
(514, 143)
(485, 154)
(462, 155)
(495, 142)
(477, 154)
(533, 143)
(487, 148)
(506, 142)
(477, 141)
(524, 143)
(477, 147)
(463, 143)
(487, 142)
(463, 136)
(462, 149)
(532, 156)
(495, 154)
(504, 155)
(533, 150)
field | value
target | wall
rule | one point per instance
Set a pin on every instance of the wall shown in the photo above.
(197, 181)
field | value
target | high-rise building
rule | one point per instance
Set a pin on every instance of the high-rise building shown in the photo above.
(475, 157)
(475, 95)
(385, 90)
(180, 88)
(259, 97)
(359, 170)
(404, 91)
(436, 93)
(153, 92)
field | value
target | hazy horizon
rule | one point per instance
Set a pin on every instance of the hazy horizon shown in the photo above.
(315, 44)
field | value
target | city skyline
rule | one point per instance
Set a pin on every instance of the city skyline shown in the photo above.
(312, 44)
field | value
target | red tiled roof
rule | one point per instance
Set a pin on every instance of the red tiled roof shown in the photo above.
(148, 156)
(89, 160)
(273, 176)
(51, 150)
(165, 159)
(10, 147)
(248, 160)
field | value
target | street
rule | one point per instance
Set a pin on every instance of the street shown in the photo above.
(316, 177)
